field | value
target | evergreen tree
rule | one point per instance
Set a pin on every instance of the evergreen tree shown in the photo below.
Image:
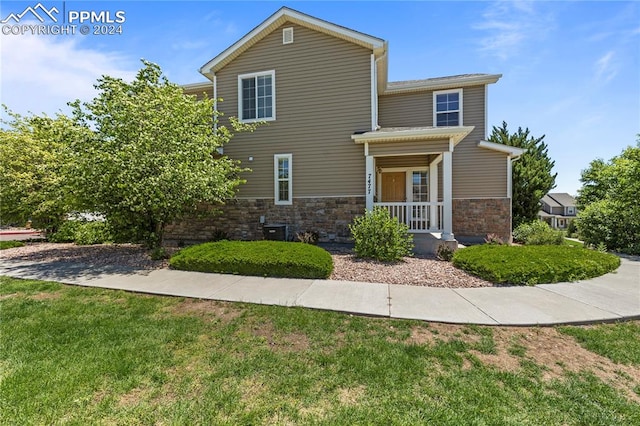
(532, 177)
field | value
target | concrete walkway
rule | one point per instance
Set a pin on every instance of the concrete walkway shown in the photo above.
(612, 297)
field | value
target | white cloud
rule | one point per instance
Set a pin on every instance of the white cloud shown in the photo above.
(606, 67)
(43, 73)
(509, 25)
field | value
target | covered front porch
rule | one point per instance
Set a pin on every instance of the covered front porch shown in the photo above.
(408, 171)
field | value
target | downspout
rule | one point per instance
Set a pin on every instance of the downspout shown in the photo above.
(215, 103)
(374, 90)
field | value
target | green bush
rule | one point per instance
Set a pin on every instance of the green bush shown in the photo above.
(530, 265)
(66, 233)
(259, 258)
(612, 225)
(537, 233)
(10, 244)
(82, 233)
(379, 236)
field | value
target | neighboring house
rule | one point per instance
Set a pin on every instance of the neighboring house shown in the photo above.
(340, 138)
(558, 209)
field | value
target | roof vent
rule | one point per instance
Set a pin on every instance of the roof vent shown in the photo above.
(287, 36)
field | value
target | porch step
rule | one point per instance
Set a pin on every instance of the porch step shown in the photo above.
(428, 243)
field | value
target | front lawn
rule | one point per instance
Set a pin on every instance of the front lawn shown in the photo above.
(530, 265)
(77, 355)
(260, 258)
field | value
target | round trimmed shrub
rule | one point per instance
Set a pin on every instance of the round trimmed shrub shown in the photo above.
(257, 258)
(530, 265)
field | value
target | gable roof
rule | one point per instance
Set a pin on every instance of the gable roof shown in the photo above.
(550, 201)
(562, 199)
(377, 45)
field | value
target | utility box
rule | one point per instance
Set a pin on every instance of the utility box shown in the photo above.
(275, 232)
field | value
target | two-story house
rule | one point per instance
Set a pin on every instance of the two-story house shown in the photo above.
(558, 209)
(339, 138)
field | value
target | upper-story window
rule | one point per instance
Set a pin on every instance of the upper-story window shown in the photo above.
(256, 96)
(447, 108)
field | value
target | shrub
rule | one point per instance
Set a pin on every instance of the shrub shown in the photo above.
(612, 225)
(494, 239)
(308, 237)
(379, 236)
(159, 253)
(66, 233)
(572, 229)
(538, 233)
(83, 233)
(532, 265)
(259, 258)
(445, 253)
(10, 244)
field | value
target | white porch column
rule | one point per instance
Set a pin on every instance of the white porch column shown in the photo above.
(370, 182)
(447, 189)
(433, 193)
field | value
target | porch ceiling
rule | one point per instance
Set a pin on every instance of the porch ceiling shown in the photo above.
(412, 134)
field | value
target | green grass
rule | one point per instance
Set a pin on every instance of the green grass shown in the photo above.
(77, 355)
(10, 244)
(573, 243)
(530, 265)
(260, 258)
(620, 343)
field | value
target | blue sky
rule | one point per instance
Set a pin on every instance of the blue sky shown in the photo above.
(571, 69)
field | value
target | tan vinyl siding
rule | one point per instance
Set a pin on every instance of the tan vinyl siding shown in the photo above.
(403, 161)
(477, 172)
(407, 148)
(406, 110)
(323, 89)
(199, 93)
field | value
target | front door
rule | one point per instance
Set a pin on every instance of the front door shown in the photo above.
(394, 186)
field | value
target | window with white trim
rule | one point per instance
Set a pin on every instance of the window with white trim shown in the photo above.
(420, 186)
(283, 182)
(256, 96)
(447, 108)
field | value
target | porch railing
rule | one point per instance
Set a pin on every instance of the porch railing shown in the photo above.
(419, 216)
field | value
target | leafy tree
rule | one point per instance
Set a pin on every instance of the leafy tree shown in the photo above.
(608, 200)
(152, 158)
(32, 176)
(532, 177)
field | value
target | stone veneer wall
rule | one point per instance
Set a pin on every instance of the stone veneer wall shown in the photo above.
(240, 220)
(475, 218)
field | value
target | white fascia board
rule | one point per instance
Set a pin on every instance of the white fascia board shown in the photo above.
(374, 43)
(196, 86)
(445, 84)
(455, 133)
(512, 151)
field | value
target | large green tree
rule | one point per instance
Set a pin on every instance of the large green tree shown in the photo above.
(34, 150)
(152, 156)
(532, 177)
(608, 201)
